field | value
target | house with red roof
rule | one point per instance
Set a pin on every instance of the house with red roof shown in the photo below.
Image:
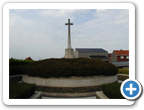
(120, 58)
(109, 56)
(120, 55)
(28, 58)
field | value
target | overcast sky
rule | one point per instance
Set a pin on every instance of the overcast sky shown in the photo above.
(42, 34)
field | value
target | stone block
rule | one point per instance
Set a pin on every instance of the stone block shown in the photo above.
(69, 53)
(70, 82)
(101, 95)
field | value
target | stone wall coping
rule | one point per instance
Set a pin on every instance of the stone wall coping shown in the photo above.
(70, 82)
(67, 94)
(15, 75)
(36, 95)
(122, 74)
(101, 95)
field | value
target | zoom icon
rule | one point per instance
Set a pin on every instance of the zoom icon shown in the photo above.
(132, 89)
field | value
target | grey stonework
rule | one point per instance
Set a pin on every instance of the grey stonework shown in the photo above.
(69, 51)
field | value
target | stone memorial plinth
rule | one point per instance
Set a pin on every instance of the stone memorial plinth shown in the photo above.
(69, 53)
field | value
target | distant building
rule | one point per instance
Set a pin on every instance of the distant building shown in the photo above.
(93, 53)
(11, 58)
(29, 58)
(109, 56)
(120, 55)
(120, 58)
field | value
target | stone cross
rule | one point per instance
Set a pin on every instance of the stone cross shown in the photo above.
(69, 40)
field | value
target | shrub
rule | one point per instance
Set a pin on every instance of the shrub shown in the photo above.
(16, 65)
(69, 67)
(19, 62)
(21, 90)
(112, 91)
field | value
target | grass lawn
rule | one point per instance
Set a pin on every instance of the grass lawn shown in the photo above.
(123, 71)
(21, 90)
(112, 91)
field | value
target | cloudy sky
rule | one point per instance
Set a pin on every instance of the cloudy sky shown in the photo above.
(42, 34)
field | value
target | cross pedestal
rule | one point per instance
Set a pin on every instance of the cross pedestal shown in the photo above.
(69, 51)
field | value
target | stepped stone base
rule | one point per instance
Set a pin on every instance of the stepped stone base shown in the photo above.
(69, 53)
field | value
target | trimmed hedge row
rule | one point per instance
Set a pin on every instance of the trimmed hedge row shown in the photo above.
(19, 62)
(16, 65)
(21, 90)
(112, 91)
(69, 67)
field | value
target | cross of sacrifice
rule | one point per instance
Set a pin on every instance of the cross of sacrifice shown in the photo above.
(69, 42)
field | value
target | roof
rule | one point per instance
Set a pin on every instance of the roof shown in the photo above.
(109, 56)
(90, 50)
(28, 58)
(121, 52)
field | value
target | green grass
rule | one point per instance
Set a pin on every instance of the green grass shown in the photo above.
(123, 71)
(21, 90)
(112, 91)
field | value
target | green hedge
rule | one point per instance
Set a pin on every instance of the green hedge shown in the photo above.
(112, 91)
(69, 67)
(16, 65)
(21, 90)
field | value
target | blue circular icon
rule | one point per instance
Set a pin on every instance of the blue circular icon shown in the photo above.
(130, 89)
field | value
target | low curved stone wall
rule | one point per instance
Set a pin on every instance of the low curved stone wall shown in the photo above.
(70, 82)
(122, 77)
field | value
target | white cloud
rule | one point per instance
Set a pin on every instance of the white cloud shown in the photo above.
(44, 34)
(103, 30)
(63, 12)
(15, 20)
(122, 21)
(48, 12)
(19, 10)
(12, 20)
(123, 14)
(101, 10)
(127, 26)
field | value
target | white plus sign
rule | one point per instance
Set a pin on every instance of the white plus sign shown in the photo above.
(131, 89)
